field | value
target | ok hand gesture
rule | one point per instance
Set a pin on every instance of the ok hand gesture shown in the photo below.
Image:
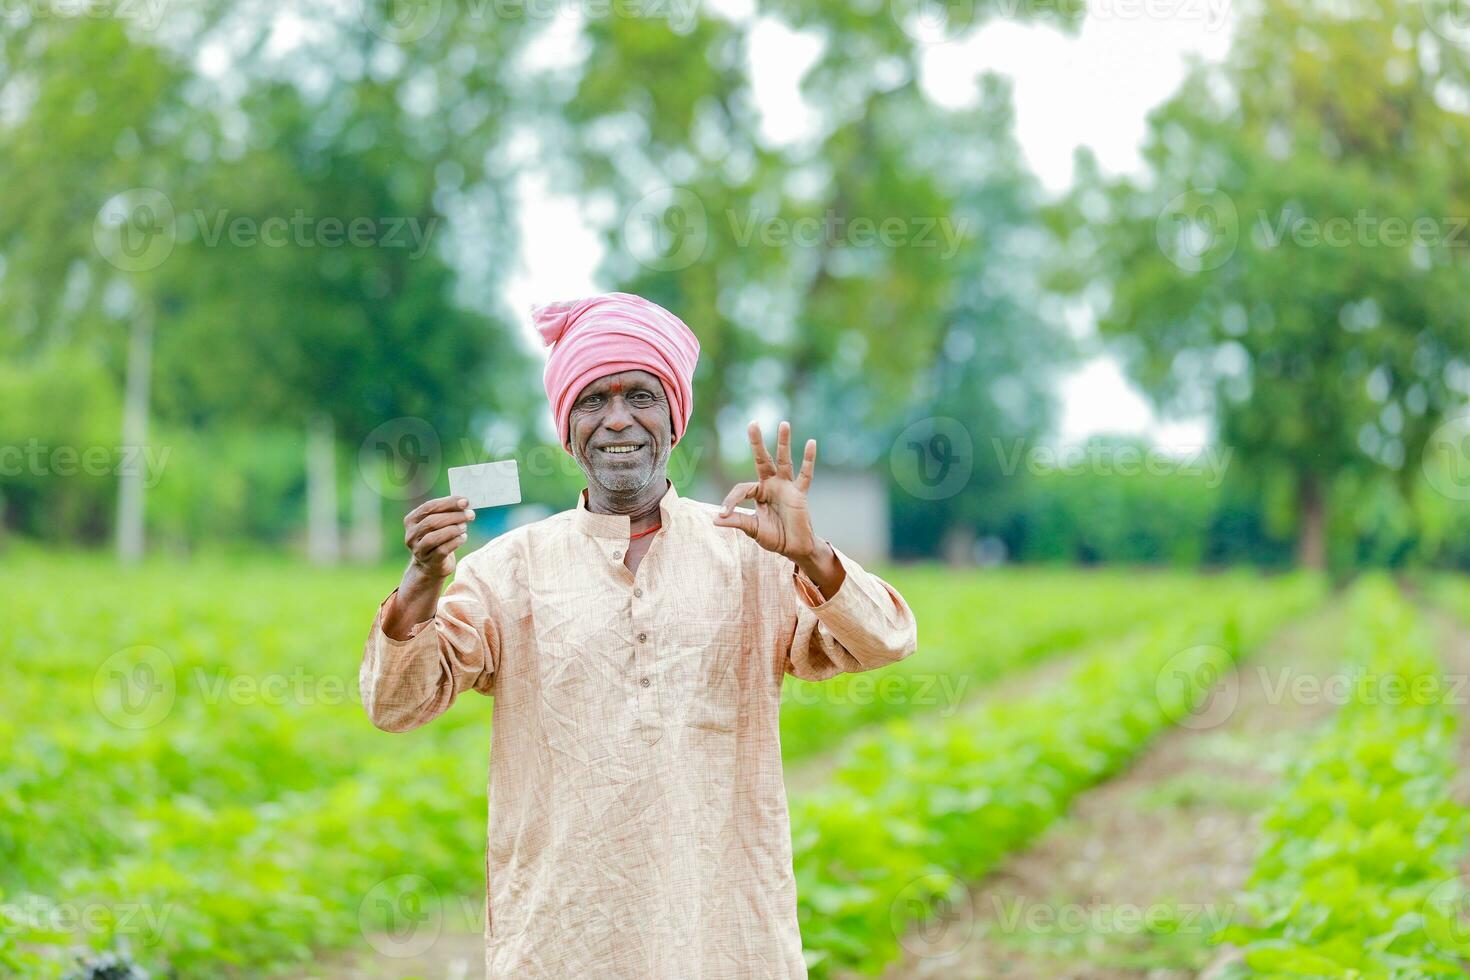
(781, 522)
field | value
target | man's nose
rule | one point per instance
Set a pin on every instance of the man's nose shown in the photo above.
(618, 417)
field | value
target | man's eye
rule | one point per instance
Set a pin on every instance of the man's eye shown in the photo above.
(591, 401)
(641, 398)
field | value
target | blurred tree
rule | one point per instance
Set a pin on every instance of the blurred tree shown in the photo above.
(822, 275)
(310, 235)
(378, 150)
(1296, 264)
(92, 120)
(997, 353)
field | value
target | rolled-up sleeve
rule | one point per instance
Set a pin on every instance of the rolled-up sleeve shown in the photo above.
(408, 683)
(865, 625)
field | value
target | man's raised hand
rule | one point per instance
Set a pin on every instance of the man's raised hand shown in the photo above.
(433, 530)
(781, 522)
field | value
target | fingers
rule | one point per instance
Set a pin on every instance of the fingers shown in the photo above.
(741, 491)
(437, 505)
(764, 465)
(738, 519)
(434, 529)
(808, 464)
(783, 449)
(435, 521)
(441, 542)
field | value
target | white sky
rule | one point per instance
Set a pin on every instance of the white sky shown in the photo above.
(1093, 89)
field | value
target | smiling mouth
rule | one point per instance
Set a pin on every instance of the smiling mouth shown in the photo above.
(621, 449)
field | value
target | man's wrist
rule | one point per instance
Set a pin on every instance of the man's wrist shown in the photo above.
(414, 601)
(823, 567)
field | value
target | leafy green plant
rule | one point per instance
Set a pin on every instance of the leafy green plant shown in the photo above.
(916, 809)
(1359, 876)
(976, 627)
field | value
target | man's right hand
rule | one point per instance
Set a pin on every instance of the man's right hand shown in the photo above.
(432, 532)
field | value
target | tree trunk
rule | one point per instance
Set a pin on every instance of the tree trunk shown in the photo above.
(322, 546)
(1311, 542)
(130, 491)
(366, 542)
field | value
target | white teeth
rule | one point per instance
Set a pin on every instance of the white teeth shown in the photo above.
(619, 449)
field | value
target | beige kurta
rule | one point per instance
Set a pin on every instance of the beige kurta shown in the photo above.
(638, 821)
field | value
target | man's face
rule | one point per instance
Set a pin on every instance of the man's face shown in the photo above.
(621, 431)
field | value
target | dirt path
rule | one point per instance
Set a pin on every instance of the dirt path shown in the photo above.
(453, 955)
(1170, 840)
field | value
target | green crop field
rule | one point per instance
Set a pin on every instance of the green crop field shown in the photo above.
(188, 774)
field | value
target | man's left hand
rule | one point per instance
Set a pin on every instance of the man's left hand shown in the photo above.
(781, 522)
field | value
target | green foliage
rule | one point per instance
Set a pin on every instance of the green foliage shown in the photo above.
(1044, 613)
(1360, 875)
(59, 418)
(225, 821)
(1266, 272)
(942, 803)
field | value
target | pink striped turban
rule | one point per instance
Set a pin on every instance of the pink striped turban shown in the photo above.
(600, 335)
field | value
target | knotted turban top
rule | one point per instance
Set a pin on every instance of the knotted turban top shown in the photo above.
(604, 334)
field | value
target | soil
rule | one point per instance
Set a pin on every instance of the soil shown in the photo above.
(1176, 834)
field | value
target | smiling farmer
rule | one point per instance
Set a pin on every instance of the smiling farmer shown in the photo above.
(635, 647)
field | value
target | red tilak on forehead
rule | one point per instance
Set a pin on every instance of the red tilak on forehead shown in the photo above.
(616, 387)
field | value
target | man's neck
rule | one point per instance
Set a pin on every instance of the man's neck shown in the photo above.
(641, 507)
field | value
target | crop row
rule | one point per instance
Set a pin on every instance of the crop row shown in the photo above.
(251, 826)
(975, 628)
(1360, 873)
(916, 810)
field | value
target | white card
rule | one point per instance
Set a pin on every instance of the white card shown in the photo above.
(486, 484)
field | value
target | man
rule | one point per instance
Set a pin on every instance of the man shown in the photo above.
(635, 647)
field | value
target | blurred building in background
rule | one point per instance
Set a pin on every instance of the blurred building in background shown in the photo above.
(849, 508)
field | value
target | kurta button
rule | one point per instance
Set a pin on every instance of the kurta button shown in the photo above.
(644, 681)
(642, 637)
(618, 555)
(638, 593)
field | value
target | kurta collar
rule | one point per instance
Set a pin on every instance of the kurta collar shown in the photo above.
(619, 525)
